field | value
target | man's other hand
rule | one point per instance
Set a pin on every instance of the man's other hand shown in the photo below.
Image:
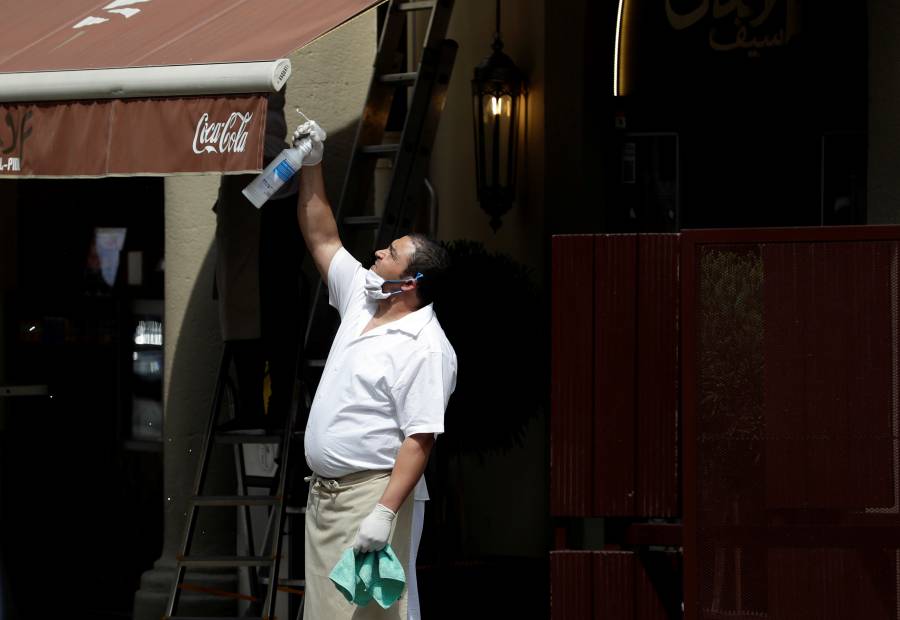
(375, 530)
(314, 149)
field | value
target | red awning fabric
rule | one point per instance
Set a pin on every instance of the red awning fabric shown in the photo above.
(128, 137)
(159, 135)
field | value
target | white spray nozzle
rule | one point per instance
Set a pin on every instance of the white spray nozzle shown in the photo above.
(298, 135)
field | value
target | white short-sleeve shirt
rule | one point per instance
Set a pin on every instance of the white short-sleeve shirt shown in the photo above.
(379, 387)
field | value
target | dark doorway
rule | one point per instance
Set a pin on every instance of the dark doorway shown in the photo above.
(82, 504)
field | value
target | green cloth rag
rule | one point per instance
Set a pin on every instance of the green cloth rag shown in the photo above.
(374, 575)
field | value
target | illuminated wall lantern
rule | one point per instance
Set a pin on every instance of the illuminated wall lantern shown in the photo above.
(498, 97)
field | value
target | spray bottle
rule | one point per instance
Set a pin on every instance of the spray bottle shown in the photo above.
(277, 173)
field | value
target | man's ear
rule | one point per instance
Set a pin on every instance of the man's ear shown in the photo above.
(409, 284)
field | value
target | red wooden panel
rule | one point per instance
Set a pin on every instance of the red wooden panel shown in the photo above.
(829, 347)
(657, 376)
(832, 584)
(572, 390)
(790, 399)
(689, 321)
(614, 574)
(648, 595)
(784, 406)
(874, 438)
(614, 396)
(571, 592)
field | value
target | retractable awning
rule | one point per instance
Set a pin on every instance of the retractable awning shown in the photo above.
(147, 87)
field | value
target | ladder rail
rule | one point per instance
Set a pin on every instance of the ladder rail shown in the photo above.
(255, 560)
(372, 123)
(409, 156)
(433, 71)
(200, 476)
(370, 130)
(420, 129)
(246, 521)
(278, 510)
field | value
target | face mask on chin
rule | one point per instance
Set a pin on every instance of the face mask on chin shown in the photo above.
(375, 286)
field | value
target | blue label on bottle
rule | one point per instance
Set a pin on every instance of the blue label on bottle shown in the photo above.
(284, 171)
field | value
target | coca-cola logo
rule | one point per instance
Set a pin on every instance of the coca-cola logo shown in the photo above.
(229, 136)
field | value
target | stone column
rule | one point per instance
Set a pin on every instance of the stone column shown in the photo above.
(192, 351)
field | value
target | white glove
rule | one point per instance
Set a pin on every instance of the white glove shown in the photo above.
(375, 530)
(313, 152)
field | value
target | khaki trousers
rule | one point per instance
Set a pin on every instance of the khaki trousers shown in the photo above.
(334, 511)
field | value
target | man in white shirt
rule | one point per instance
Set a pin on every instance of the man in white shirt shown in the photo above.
(379, 405)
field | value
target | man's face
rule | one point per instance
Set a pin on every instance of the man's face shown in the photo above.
(392, 262)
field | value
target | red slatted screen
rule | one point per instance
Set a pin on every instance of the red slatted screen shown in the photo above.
(615, 286)
(571, 426)
(615, 376)
(606, 585)
(613, 579)
(571, 590)
(657, 377)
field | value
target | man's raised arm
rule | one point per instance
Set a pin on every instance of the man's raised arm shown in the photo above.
(313, 209)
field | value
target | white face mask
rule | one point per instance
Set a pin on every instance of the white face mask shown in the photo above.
(375, 286)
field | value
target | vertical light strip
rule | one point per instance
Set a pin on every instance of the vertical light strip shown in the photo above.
(616, 54)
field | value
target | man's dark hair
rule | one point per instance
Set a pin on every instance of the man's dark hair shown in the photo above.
(431, 260)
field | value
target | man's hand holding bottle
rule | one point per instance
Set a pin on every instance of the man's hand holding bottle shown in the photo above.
(309, 137)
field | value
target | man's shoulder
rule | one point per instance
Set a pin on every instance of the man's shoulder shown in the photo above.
(434, 340)
(346, 276)
(343, 265)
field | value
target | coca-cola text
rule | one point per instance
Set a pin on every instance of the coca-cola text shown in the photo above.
(225, 137)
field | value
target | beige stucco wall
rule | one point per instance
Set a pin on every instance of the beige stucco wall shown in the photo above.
(511, 517)
(192, 344)
(453, 168)
(329, 83)
(883, 195)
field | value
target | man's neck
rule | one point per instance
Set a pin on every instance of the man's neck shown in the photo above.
(388, 312)
(393, 309)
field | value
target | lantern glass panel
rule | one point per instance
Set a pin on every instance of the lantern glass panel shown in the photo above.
(497, 118)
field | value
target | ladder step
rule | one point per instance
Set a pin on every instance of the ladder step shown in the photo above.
(419, 5)
(379, 149)
(363, 221)
(315, 363)
(295, 510)
(235, 500)
(264, 482)
(223, 561)
(401, 79)
(294, 583)
(232, 438)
